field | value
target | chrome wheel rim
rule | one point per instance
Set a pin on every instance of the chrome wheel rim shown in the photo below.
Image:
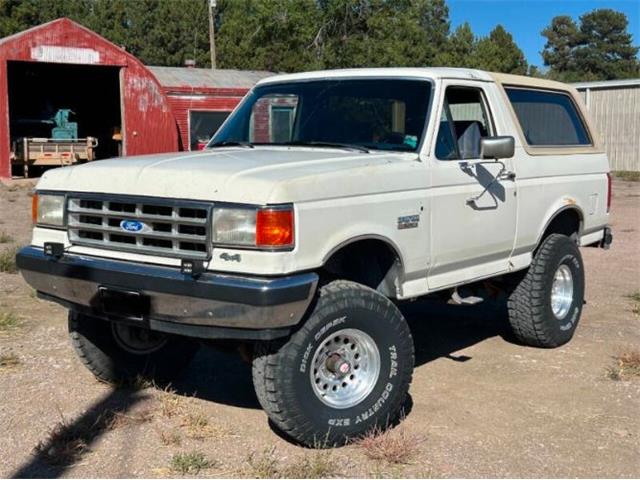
(139, 341)
(562, 292)
(345, 368)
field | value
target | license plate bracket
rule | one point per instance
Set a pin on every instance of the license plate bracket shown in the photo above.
(129, 304)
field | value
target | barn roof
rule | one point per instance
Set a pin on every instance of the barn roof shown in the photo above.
(206, 78)
(630, 83)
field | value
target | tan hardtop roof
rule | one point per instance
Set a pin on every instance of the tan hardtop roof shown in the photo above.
(504, 79)
(521, 80)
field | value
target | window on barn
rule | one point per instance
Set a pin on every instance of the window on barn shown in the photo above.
(272, 118)
(281, 123)
(202, 126)
(548, 118)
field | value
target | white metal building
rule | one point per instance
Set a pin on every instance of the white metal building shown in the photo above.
(614, 107)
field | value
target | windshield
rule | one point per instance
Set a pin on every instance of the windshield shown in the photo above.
(381, 114)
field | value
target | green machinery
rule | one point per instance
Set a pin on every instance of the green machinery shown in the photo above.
(64, 129)
(50, 142)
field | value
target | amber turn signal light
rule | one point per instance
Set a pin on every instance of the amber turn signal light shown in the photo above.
(274, 228)
(34, 208)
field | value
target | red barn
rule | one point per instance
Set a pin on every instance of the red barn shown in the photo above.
(129, 108)
(201, 99)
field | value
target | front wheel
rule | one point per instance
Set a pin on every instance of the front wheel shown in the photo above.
(121, 353)
(545, 307)
(346, 371)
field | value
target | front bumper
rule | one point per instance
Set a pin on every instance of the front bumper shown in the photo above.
(209, 306)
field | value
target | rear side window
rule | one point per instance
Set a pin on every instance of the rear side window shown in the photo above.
(548, 118)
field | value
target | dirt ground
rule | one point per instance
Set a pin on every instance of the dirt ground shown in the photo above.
(482, 406)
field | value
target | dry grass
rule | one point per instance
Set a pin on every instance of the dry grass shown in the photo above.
(627, 175)
(264, 464)
(315, 464)
(635, 298)
(68, 441)
(8, 321)
(626, 366)
(190, 463)
(8, 260)
(119, 419)
(9, 361)
(170, 437)
(5, 238)
(65, 444)
(171, 404)
(394, 446)
(198, 427)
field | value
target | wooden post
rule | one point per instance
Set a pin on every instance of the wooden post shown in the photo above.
(212, 32)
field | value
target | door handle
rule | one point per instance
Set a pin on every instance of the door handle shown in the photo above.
(508, 175)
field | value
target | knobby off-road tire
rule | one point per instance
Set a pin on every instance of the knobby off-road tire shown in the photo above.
(320, 387)
(104, 349)
(540, 315)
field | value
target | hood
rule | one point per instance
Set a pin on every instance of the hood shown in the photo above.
(259, 175)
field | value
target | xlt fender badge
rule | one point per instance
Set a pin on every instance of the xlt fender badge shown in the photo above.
(231, 258)
(408, 221)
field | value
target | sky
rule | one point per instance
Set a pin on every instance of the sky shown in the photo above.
(526, 19)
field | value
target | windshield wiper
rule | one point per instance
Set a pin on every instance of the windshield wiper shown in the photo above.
(230, 143)
(348, 146)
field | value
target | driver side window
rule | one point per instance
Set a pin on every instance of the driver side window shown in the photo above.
(464, 121)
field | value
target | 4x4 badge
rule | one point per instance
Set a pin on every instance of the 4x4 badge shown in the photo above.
(230, 258)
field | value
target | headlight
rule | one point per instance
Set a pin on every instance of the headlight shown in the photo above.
(48, 209)
(267, 227)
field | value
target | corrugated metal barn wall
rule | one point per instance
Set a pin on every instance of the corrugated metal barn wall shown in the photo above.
(615, 111)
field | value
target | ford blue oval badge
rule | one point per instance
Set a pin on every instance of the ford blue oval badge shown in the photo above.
(133, 226)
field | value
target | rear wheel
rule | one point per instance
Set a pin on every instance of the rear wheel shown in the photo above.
(120, 353)
(545, 307)
(347, 370)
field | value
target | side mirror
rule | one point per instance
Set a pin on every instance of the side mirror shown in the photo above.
(497, 147)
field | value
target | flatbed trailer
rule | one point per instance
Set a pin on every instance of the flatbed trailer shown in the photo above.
(42, 152)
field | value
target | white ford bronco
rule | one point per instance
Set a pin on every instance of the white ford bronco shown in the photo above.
(324, 202)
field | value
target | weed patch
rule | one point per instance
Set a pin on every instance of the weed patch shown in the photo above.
(625, 367)
(9, 361)
(635, 299)
(8, 321)
(264, 464)
(393, 446)
(5, 238)
(8, 260)
(119, 419)
(317, 464)
(314, 464)
(65, 444)
(189, 463)
(170, 437)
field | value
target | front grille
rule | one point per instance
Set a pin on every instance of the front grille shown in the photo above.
(169, 228)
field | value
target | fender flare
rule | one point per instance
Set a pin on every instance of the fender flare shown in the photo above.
(555, 214)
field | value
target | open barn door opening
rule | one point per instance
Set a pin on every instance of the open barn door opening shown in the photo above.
(60, 114)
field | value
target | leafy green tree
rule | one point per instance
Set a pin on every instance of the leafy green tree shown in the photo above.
(460, 48)
(563, 36)
(279, 35)
(499, 53)
(606, 49)
(599, 48)
(374, 33)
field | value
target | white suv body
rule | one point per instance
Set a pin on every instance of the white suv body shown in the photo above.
(448, 214)
(344, 197)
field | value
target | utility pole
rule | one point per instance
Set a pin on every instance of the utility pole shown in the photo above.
(212, 31)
